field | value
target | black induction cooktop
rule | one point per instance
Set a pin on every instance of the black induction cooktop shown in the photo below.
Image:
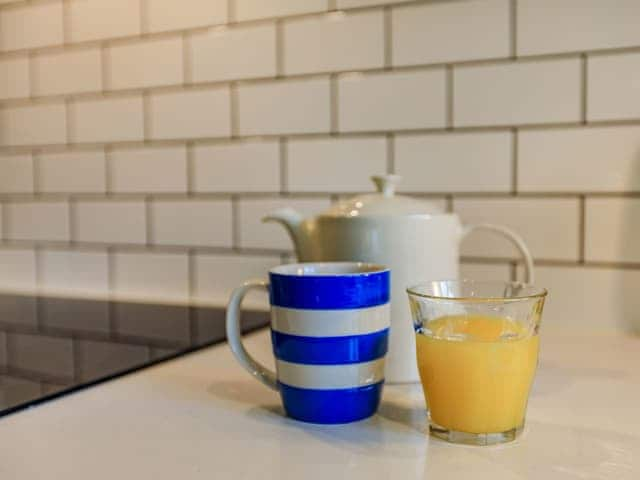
(51, 346)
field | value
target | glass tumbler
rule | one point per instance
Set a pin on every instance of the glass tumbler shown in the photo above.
(477, 352)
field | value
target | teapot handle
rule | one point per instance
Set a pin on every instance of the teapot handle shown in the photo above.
(514, 238)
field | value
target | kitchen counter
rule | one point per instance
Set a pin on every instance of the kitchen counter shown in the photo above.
(202, 417)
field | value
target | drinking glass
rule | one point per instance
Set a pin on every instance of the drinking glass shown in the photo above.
(477, 352)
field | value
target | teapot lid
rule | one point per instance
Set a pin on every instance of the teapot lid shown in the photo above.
(383, 202)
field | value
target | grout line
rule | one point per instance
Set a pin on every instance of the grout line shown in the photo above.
(391, 153)
(449, 105)
(234, 114)
(144, 19)
(582, 229)
(264, 79)
(279, 49)
(449, 204)
(388, 38)
(514, 160)
(69, 120)
(190, 169)
(66, 22)
(187, 62)
(148, 210)
(235, 223)
(108, 170)
(584, 87)
(231, 11)
(33, 76)
(284, 165)
(334, 101)
(513, 28)
(105, 65)
(146, 116)
(63, 147)
(36, 172)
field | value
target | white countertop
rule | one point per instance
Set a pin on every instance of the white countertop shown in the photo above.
(202, 417)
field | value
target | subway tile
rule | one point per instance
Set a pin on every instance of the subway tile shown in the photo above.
(579, 159)
(75, 314)
(223, 53)
(335, 164)
(38, 220)
(99, 19)
(543, 25)
(289, 106)
(612, 229)
(485, 271)
(110, 221)
(253, 9)
(335, 41)
(152, 276)
(131, 167)
(391, 101)
(38, 124)
(74, 272)
(108, 119)
(100, 359)
(18, 272)
(248, 166)
(163, 353)
(590, 299)
(612, 83)
(210, 319)
(41, 354)
(70, 71)
(153, 322)
(81, 171)
(365, 3)
(192, 222)
(145, 64)
(517, 93)
(16, 390)
(189, 114)
(31, 26)
(218, 275)
(14, 77)
(171, 15)
(454, 162)
(256, 234)
(531, 218)
(16, 173)
(450, 31)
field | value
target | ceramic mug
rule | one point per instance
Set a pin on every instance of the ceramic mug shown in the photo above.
(329, 330)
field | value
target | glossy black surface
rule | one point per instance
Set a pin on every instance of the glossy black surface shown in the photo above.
(52, 346)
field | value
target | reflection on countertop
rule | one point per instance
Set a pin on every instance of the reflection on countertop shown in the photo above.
(49, 345)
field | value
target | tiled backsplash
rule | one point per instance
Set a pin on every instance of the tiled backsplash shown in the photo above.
(141, 141)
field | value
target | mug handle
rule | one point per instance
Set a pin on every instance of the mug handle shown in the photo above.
(234, 335)
(513, 237)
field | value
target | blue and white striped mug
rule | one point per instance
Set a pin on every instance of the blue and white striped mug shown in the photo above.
(329, 329)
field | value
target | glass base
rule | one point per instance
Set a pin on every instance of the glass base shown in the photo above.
(480, 439)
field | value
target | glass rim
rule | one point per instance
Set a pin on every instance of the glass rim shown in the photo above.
(539, 291)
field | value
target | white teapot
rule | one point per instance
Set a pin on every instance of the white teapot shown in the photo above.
(414, 238)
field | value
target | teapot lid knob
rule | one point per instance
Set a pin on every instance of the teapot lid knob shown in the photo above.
(386, 184)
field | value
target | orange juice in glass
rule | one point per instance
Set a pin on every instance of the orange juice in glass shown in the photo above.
(477, 350)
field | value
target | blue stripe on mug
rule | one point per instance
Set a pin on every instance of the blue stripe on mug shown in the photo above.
(330, 350)
(329, 292)
(331, 406)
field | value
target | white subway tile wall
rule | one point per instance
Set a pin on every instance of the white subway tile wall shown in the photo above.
(142, 141)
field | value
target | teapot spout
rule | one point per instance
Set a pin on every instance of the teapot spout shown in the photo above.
(291, 220)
